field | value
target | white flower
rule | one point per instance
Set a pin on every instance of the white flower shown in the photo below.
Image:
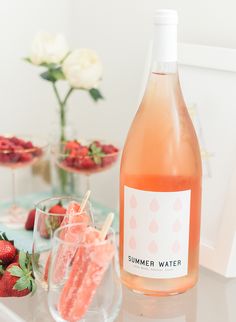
(48, 48)
(82, 68)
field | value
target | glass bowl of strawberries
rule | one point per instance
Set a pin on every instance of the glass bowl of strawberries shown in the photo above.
(85, 157)
(18, 152)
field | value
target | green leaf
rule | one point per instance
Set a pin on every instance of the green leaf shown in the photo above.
(27, 59)
(49, 65)
(3, 236)
(97, 159)
(95, 94)
(33, 286)
(1, 270)
(47, 76)
(58, 73)
(22, 260)
(16, 271)
(22, 283)
(53, 74)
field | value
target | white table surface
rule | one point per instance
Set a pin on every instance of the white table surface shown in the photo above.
(213, 300)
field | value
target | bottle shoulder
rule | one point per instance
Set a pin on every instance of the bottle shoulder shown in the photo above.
(157, 143)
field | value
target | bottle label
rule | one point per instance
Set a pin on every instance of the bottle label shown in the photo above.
(156, 233)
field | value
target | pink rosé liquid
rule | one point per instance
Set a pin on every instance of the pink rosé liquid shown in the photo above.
(162, 154)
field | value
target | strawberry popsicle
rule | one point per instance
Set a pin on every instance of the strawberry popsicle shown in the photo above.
(89, 265)
(66, 253)
(70, 234)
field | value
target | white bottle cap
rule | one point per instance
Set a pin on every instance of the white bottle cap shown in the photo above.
(165, 35)
(166, 17)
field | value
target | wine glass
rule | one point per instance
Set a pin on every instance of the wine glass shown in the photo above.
(87, 286)
(85, 157)
(50, 214)
(17, 152)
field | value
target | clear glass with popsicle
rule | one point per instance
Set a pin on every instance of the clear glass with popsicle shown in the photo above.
(87, 286)
(51, 214)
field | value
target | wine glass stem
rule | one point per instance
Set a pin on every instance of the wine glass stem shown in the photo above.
(13, 175)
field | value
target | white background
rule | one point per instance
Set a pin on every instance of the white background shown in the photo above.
(119, 31)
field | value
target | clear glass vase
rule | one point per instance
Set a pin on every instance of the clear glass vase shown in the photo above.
(63, 183)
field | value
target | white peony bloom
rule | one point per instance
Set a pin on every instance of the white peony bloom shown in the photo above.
(48, 48)
(82, 68)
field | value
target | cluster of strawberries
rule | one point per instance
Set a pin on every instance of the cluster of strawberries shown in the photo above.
(94, 156)
(16, 275)
(14, 150)
(47, 224)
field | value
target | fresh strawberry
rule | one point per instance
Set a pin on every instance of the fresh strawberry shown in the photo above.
(109, 148)
(28, 145)
(29, 224)
(70, 145)
(26, 157)
(94, 156)
(82, 151)
(86, 163)
(57, 209)
(17, 150)
(16, 259)
(7, 250)
(44, 230)
(18, 278)
(50, 223)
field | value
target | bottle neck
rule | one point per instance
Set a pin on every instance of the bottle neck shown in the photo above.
(158, 67)
(164, 52)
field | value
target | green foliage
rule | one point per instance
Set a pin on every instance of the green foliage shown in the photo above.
(24, 272)
(53, 75)
(96, 153)
(95, 94)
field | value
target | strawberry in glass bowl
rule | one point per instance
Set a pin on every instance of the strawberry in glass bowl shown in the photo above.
(18, 152)
(85, 157)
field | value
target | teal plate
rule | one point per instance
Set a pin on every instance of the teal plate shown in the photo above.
(23, 238)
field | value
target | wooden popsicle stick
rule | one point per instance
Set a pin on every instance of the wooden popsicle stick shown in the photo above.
(106, 226)
(84, 201)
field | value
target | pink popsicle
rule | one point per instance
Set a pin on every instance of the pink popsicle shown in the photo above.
(70, 234)
(89, 266)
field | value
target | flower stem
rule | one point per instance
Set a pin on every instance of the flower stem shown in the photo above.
(62, 105)
(67, 95)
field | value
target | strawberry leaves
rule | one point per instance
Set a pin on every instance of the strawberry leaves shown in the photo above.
(22, 260)
(1, 268)
(3, 236)
(96, 153)
(24, 273)
(16, 271)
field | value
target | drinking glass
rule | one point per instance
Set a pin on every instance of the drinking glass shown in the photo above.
(73, 160)
(45, 225)
(87, 286)
(18, 152)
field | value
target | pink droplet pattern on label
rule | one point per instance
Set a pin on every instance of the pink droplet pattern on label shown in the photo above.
(132, 243)
(154, 205)
(152, 247)
(176, 247)
(177, 226)
(177, 205)
(153, 226)
(132, 223)
(133, 202)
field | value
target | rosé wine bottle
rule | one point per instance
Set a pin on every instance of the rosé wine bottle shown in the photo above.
(160, 180)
